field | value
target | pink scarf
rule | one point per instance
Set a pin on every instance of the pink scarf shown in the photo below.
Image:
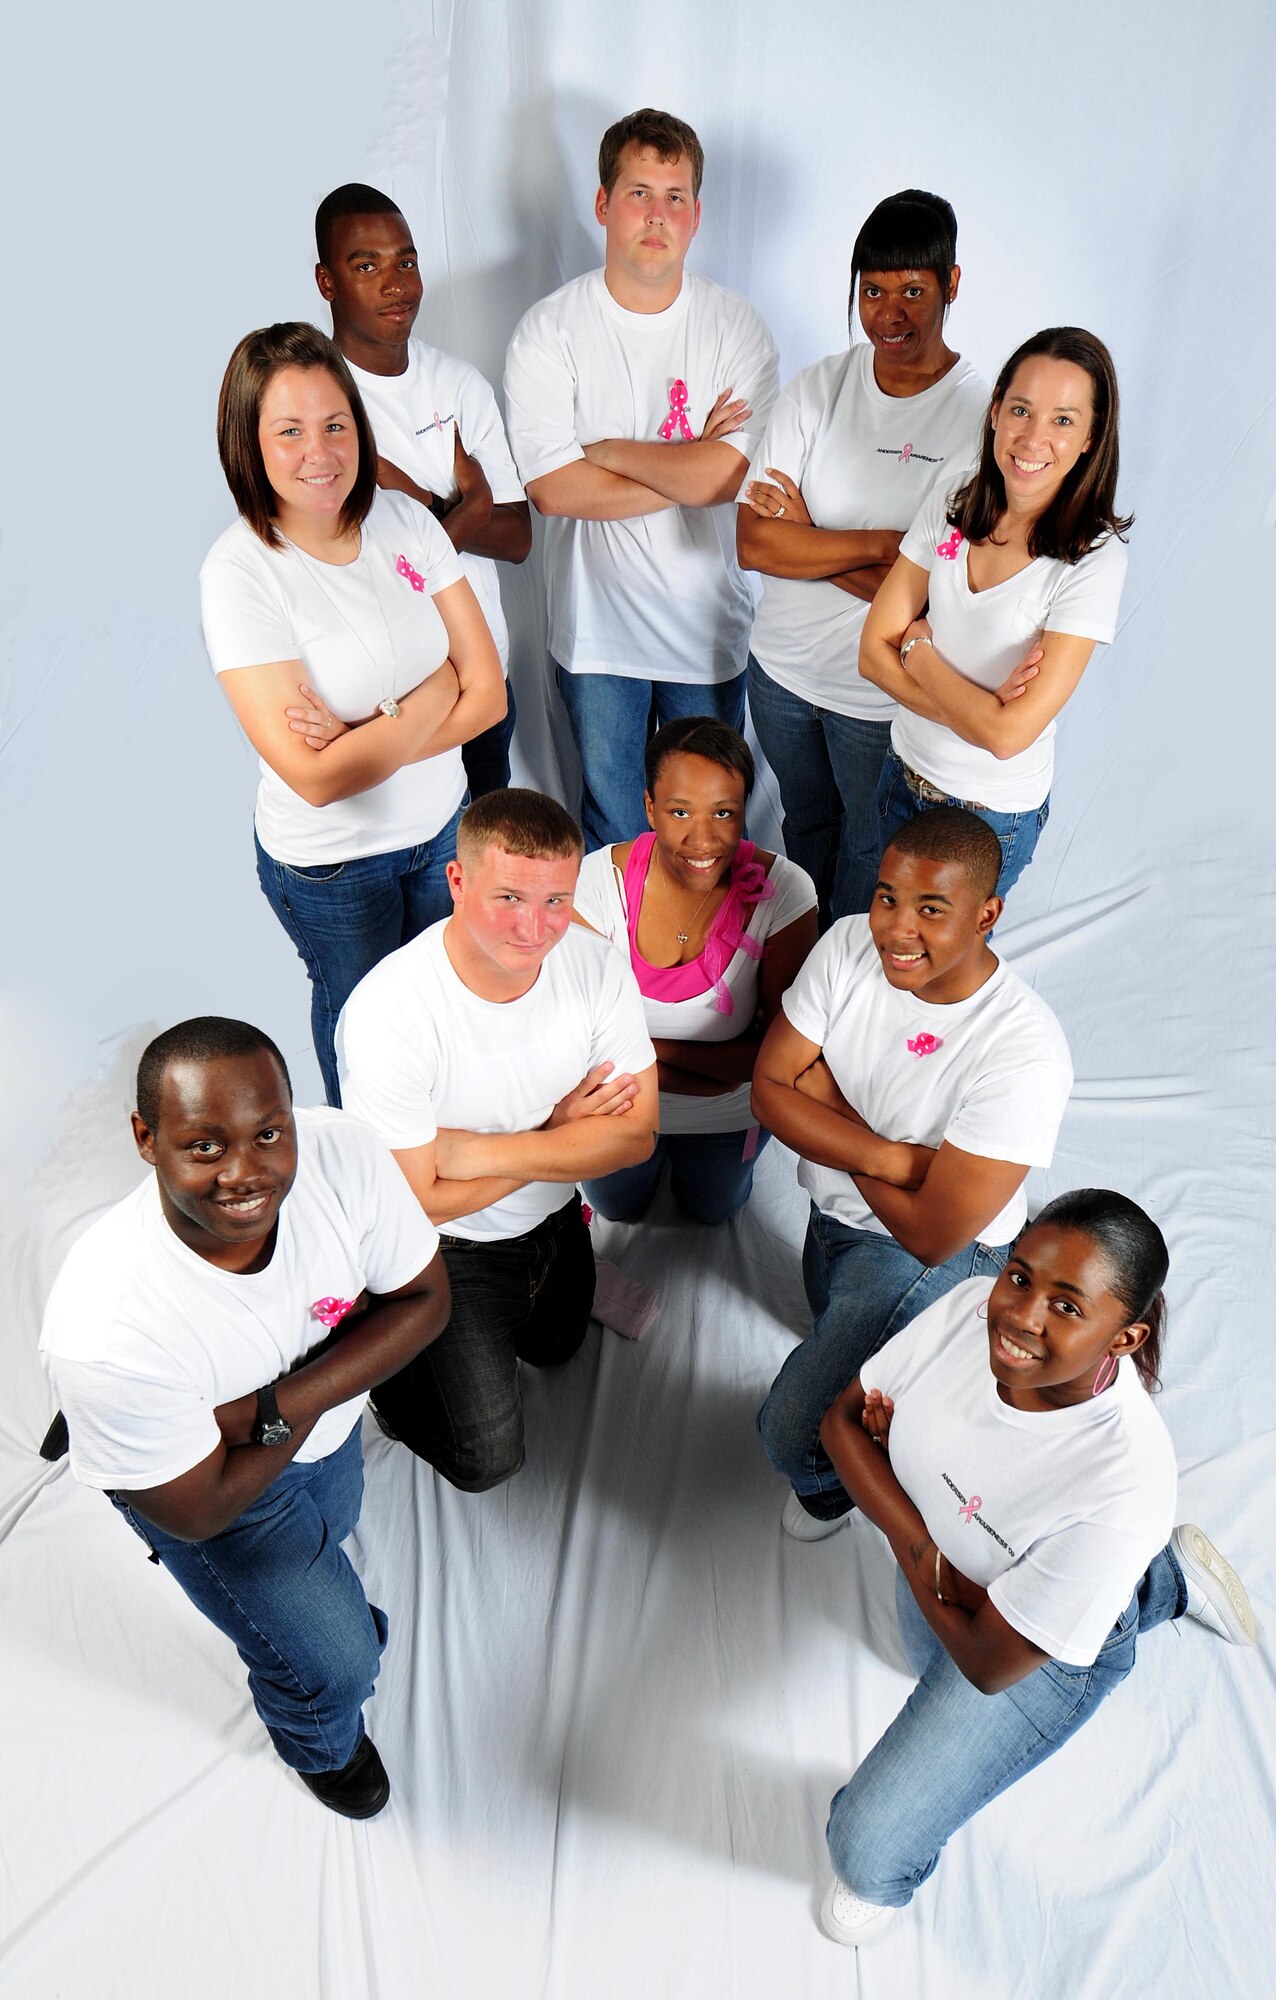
(750, 885)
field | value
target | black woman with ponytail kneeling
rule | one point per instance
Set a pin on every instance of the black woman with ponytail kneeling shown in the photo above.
(1006, 1444)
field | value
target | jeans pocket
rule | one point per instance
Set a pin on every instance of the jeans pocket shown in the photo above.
(325, 872)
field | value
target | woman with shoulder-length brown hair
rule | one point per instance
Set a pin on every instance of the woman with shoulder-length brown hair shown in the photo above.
(356, 659)
(1019, 573)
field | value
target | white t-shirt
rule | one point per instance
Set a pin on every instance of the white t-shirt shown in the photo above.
(984, 634)
(863, 459)
(143, 1338)
(600, 900)
(660, 598)
(1056, 1513)
(362, 631)
(417, 1049)
(416, 417)
(990, 1074)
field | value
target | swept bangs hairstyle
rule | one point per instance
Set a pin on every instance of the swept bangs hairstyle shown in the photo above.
(909, 231)
(1083, 511)
(521, 821)
(256, 361)
(660, 132)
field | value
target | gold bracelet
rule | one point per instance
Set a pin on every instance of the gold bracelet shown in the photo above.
(938, 1592)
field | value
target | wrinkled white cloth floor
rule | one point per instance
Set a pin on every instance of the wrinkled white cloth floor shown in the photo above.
(616, 1701)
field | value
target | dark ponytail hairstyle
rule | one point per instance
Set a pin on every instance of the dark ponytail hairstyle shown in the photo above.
(1136, 1256)
(1082, 512)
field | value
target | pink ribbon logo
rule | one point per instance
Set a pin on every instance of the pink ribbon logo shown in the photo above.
(331, 1312)
(906, 454)
(948, 550)
(924, 1045)
(404, 568)
(677, 418)
(971, 1508)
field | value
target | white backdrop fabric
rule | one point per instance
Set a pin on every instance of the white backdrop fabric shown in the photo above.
(616, 1702)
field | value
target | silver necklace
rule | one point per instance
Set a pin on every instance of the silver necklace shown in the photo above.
(312, 564)
(684, 937)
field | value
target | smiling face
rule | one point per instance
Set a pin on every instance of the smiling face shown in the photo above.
(309, 447)
(650, 215)
(224, 1150)
(1042, 428)
(697, 815)
(902, 314)
(508, 913)
(1052, 1320)
(374, 288)
(930, 926)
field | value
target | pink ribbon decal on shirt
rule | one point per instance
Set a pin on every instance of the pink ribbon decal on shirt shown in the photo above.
(404, 568)
(924, 1045)
(971, 1508)
(906, 454)
(677, 418)
(948, 550)
(331, 1312)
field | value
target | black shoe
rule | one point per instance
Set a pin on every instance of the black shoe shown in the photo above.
(57, 1442)
(358, 1790)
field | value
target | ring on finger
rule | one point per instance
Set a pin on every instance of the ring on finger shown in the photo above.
(778, 512)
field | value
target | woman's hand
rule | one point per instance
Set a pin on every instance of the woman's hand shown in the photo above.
(314, 720)
(876, 1416)
(781, 501)
(726, 416)
(1019, 677)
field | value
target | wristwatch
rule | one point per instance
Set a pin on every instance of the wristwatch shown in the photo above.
(271, 1426)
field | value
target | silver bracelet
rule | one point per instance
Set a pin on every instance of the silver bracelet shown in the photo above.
(921, 639)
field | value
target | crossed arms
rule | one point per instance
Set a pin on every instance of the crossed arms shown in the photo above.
(620, 479)
(933, 1200)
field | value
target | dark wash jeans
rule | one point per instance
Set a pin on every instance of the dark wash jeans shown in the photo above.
(525, 1298)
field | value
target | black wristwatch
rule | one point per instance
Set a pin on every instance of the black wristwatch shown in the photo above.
(271, 1426)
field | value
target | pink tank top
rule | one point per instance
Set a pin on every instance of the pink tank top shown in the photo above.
(750, 885)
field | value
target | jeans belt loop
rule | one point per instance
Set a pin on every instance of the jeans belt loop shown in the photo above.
(921, 788)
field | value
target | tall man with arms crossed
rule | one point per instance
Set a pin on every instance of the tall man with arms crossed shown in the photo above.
(636, 397)
(439, 434)
(919, 1079)
(212, 1339)
(503, 1056)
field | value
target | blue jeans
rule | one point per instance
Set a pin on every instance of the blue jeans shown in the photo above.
(1018, 832)
(486, 757)
(523, 1298)
(345, 916)
(708, 1172)
(827, 767)
(951, 1749)
(611, 719)
(278, 1585)
(862, 1288)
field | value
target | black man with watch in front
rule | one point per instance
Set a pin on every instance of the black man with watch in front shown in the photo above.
(212, 1339)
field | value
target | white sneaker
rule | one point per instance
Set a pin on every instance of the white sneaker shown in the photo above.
(848, 1919)
(804, 1527)
(1215, 1594)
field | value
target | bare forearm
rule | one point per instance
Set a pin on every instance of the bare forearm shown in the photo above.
(819, 1133)
(570, 1152)
(804, 552)
(864, 583)
(879, 663)
(722, 1062)
(478, 707)
(971, 712)
(466, 522)
(449, 1200)
(704, 474)
(379, 1342)
(585, 492)
(918, 1224)
(506, 537)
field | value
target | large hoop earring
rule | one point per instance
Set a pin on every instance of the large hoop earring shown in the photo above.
(981, 1310)
(1105, 1375)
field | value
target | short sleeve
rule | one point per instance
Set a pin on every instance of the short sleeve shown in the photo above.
(1068, 1590)
(482, 433)
(1088, 600)
(930, 526)
(246, 620)
(540, 398)
(785, 444)
(752, 370)
(439, 563)
(386, 1068)
(1014, 1111)
(130, 1431)
(794, 895)
(396, 1237)
(597, 898)
(620, 1030)
(808, 1004)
